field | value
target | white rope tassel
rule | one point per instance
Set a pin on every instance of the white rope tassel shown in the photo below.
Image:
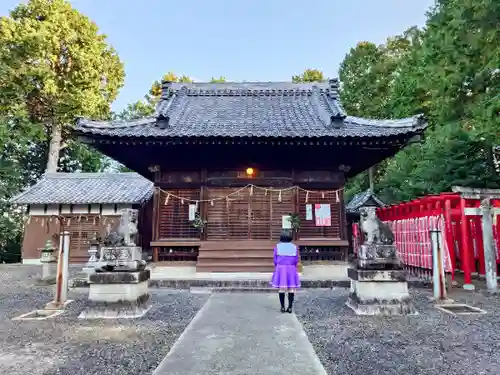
(211, 203)
(279, 196)
(251, 190)
(323, 194)
(265, 191)
(29, 220)
(43, 222)
(182, 201)
(307, 196)
(166, 199)
(196, 205)
(337, 199)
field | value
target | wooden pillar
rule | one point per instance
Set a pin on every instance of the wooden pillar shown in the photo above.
(155, 221)
(295, 208)
(204, 205)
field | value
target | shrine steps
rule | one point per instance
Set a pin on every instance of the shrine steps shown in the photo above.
(235, 256)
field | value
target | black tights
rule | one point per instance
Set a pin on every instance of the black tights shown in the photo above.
(291, 297)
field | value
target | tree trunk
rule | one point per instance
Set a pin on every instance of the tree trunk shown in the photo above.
(54, 147)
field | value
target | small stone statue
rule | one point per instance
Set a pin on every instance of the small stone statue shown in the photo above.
(375, 231)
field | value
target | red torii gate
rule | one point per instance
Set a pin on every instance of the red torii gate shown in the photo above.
(459, 216)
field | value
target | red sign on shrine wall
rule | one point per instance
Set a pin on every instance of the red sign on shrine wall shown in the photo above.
(323, 215)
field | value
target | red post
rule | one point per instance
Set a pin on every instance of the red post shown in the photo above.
(466, 253)
(449, 236)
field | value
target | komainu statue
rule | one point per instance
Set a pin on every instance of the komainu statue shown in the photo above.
(126, 233)
(128, 226)
(375, 231)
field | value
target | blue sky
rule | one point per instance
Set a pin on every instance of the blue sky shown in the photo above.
(252, 40)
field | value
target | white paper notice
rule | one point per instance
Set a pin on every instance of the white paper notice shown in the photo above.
(192, 212)
(323, 215)
(285, 222)
(309, 212)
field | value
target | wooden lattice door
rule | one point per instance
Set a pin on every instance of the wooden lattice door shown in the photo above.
(246, 214)
(173, 214)
(82, 230)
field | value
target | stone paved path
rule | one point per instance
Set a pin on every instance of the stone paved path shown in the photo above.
(241, 334)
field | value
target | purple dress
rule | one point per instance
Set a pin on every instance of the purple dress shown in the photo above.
(286, 259)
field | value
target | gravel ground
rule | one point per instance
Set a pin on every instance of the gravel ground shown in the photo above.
(433, 342)
(67, 345)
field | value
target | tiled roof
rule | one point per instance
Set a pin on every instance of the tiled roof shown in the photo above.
(274, 109)
(87, 188)
(360, 199)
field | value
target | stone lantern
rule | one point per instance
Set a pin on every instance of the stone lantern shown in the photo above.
(48, 253)
(48, 258)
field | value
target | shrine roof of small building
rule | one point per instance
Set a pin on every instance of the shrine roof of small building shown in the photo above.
(251, 109)
(362, 199)
(87, 188)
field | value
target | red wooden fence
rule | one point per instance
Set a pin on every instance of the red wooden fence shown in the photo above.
(459, 220)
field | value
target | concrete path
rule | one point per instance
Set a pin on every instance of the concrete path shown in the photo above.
(242, 334)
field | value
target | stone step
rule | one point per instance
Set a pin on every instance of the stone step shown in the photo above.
(232, 284)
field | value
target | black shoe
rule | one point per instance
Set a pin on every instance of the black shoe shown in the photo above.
(282, 309)
(289, 310)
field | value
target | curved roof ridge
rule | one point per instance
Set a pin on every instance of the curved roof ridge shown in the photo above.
(412, 121)
(103, 124)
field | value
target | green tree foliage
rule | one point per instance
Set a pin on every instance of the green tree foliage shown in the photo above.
(309, 75)
(221, 79)
(368, 74)
(450, 72)
(155, 91)
(56, 66)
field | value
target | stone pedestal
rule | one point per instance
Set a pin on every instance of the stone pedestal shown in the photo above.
(378, 283)
(118, 295)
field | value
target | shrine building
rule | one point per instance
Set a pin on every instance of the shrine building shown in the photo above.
(235, 163)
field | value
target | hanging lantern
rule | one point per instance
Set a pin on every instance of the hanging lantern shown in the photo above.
(250, 172)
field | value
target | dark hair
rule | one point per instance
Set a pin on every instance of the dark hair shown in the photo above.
(286, 236)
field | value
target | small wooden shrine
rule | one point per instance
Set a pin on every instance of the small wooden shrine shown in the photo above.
(86, 205)
(234, 163)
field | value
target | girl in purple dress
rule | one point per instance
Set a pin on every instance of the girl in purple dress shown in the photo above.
(285, 277)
